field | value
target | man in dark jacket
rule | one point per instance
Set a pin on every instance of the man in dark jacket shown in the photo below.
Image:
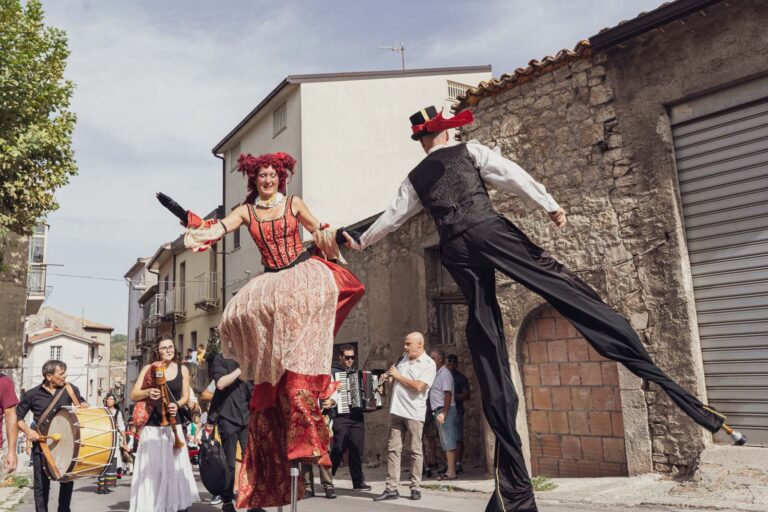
(229, 411)
(37, 401)
(475, 242)
(348, 428)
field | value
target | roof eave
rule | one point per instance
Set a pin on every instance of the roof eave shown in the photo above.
(328, 77)
(253, 113)
(646, 22)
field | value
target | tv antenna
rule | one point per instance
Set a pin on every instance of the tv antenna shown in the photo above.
(400, 48)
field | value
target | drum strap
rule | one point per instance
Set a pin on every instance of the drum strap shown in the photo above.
(72, 395)
(44, 444)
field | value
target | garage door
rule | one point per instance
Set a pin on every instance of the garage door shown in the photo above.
(722, 162)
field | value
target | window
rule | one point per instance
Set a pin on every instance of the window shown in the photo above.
(194, 340)
(56, 352)
(101, 383)
(234, 154)
(279, 120)
(456, 89)
(181, 343)
(445, 301)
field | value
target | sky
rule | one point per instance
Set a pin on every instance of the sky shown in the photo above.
(160, 82)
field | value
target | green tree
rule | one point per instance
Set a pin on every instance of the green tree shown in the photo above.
(118, 347)
(36, 126)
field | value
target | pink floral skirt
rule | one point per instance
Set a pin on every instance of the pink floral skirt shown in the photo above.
(280, 328)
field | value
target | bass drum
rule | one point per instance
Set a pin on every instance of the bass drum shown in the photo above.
(88, 442)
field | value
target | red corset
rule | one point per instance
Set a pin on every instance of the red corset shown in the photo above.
(278, 240)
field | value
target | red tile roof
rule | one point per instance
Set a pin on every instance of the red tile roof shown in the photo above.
(521, 75)
(51, 332)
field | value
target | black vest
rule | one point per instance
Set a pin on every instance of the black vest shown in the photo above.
(450, 187)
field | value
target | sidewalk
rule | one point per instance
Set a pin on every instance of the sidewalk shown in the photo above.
(733, 478)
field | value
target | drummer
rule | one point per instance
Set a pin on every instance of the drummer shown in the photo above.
(36, 401)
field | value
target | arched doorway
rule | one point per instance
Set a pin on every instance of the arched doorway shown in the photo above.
(573, 402)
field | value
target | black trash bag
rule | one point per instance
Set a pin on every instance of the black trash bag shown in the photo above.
(214, 470)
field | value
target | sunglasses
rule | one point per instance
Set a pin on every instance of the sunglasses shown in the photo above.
(349, 358)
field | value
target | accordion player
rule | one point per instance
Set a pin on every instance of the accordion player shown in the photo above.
(358, 389)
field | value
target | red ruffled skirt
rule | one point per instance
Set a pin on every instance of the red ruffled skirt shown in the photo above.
(280, 327)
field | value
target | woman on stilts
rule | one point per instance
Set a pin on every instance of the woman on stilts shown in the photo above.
(280, 327)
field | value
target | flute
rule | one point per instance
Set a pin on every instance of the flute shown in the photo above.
(165, 401)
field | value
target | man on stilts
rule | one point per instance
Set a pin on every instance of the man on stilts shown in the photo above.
(475, 241)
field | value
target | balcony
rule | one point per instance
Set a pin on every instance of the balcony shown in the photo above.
(154, 310)
(175, 302)
(36, 288)
(208, 291)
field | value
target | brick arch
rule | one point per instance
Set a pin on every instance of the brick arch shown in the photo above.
(572, 401)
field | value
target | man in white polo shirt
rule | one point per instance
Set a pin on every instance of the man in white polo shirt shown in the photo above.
(412, 377)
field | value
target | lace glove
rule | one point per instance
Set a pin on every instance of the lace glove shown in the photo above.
(201, 234)
(326, 242)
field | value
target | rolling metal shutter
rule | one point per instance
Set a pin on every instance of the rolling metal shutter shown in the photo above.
(722, 163)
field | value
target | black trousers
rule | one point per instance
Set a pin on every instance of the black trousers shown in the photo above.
(497, 244)
(349, 435)
(43, 485)
(232, 434)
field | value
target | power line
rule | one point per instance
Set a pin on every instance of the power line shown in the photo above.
(122, 280)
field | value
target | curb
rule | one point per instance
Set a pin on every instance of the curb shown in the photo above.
(13, 499)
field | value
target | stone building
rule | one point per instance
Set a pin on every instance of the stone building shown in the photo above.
(652, 137)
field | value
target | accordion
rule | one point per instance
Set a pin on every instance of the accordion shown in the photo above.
(358, 389)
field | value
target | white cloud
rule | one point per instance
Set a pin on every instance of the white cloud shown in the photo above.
(159, 84)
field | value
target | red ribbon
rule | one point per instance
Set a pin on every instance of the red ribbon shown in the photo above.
(439, 123)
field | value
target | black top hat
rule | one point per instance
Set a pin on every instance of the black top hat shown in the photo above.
(421, 117)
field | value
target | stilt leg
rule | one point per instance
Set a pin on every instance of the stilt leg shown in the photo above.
(739, 439)
(294, 485)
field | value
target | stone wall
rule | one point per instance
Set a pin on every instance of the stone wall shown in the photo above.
(701, 54)
(395, 272)
(595, 131)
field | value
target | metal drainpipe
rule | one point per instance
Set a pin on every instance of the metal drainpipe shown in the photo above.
(223, 240)
(158, 287)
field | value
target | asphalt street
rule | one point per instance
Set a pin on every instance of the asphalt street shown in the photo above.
(85, 499)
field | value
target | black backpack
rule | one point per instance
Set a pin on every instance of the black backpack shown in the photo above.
(214, 470)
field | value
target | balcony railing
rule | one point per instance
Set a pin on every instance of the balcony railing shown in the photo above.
(154, 309)
(36, 280)
(175, 302)
(208, 291)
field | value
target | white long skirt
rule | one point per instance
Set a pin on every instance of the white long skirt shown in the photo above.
(162, 477)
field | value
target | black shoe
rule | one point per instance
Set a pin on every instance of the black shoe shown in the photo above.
(387, 495)
(329, 493)
(308, 493)
(415, 494)
(459, 468)
(228, 507)
(428, 472)
(363, 487)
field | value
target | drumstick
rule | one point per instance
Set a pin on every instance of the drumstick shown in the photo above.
(52, 437)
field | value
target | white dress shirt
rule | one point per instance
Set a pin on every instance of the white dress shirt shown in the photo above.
(494, 169)
(409, 403)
